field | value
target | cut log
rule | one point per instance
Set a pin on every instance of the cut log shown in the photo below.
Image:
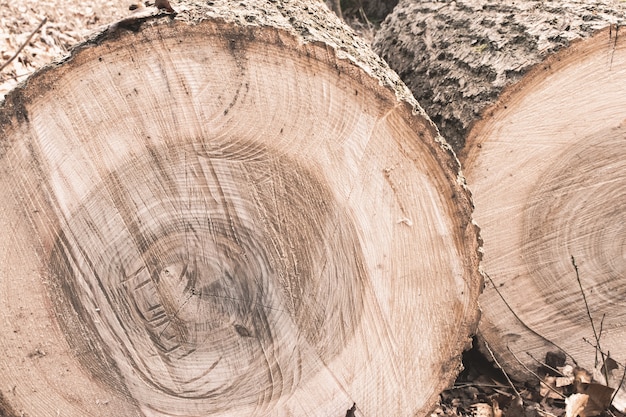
(457, 57)
(239, 210)
(545, 163)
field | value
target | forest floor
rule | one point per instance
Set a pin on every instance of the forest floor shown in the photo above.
(46, 30)
(64, 23)
(484, 390)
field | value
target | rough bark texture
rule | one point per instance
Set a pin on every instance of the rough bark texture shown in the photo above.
(532, 95)
(457, 57)
(237, 210)
(373, 10)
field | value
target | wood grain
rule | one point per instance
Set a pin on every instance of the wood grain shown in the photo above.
(224, 215)
(531, 96)
(548, 173)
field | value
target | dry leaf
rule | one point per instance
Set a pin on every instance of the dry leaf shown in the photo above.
(609, 365)
(516, 409)
(599, 398)
(582, 376)
(567, 370)
(575, 405)
(563, 381)
(548, 387)
(482, 410)
(554, 360)
(497, 411)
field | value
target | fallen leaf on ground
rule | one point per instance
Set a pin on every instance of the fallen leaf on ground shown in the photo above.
(599, 398)
(549, 389)
(575, 405)
(581, 375)
(497, 411)
(482, 410)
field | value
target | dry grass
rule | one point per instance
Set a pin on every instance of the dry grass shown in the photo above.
(68, 22)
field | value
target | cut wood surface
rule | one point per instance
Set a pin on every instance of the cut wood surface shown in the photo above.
(548, 169)
(545, 163)
(239, 210)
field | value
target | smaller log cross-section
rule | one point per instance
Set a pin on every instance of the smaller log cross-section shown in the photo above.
(533, 95)
(548, 169)
(237, 210)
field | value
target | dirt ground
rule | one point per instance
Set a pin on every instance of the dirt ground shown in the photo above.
(480, 390)
(67, 23)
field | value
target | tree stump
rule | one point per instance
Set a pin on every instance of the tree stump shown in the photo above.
(544, 159)
(237, 210)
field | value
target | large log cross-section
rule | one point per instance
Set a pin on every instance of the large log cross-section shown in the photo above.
(239, 210)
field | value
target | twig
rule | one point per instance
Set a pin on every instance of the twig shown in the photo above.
(619, 386)
(614, 42)
(524, 324)
(8, 76)
(364, 17)
(544, 364)
(621, 382)
(472, 384)
(600, 337)
(607, 354)
(45, 19)
(503, 371)
(534, 374)
(501, 392)
(601, 325)
(544, 412)
(593, 327)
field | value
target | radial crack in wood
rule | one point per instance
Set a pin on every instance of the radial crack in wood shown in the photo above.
(239, 210)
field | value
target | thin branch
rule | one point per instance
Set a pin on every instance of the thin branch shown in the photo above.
(607, 354)
(621, 382)
(614, 43)
(478, 385)
(8, 76)
(45, 19)
(600, 336)
(540, 411)
(534, 374)
(524, 324)
(544, 364)
(601, 325)
(593, 327)
(503, 371)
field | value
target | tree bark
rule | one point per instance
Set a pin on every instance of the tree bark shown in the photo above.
(544, 159)
(457, 57)
(237, 210)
